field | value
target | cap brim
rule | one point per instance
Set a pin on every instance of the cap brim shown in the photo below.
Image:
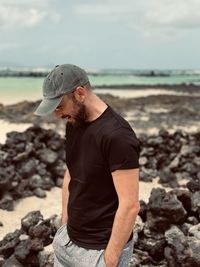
(47, 106)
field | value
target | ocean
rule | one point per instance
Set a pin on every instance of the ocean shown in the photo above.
(18, 84)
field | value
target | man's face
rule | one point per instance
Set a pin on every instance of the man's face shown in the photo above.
(72, 109)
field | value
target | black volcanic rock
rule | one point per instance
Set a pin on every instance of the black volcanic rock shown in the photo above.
(9, 242)
(172, 241)
(169, 235)
(31, 162)
(164, 209)
(47, 156)
(195, 202)
(177, 250)
(23, 247)
(34, 161)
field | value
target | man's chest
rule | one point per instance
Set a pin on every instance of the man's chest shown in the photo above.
(84, 157)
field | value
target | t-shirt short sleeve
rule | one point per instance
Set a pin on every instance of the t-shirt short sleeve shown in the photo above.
(121, 149)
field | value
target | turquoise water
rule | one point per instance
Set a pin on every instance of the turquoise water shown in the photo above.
(14, 89)
(143, 80)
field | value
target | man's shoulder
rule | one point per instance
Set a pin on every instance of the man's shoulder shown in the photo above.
(116, 126)
(116, 122)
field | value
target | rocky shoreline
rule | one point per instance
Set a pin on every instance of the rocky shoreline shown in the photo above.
(34, 161)
(168, 225)
(167, 228)
(143, 113)
(30, 163)
(166, 234)
(167, 231)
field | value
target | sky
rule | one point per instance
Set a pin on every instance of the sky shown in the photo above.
(101, 34)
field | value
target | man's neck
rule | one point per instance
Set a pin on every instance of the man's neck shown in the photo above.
(96, 108)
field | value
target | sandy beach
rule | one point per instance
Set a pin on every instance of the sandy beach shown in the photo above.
(51, 205)
(147, 115)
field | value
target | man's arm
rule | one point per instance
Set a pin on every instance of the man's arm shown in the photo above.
(127, 187)
(65, 195)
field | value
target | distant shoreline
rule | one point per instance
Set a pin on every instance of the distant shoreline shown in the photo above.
(181, 86)
(120, 78)
(147, 73)
(145, 114)
(173, 86)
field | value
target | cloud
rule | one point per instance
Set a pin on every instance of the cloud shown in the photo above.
(170, 16)
(150, 17)
(101, 33)
(8, 46)
(26, 14)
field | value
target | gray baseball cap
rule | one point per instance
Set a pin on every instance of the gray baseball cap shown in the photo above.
(61, 80)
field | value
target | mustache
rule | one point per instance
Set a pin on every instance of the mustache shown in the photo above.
(65, 116)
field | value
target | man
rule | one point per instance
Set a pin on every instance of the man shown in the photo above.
(101, 184)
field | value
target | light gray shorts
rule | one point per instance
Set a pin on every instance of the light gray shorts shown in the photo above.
(68, 254)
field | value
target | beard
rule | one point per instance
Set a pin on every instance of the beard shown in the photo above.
(80, 116)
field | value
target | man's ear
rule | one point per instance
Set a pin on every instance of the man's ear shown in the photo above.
(80, 93)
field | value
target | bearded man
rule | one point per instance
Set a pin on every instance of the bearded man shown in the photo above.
(100, 192)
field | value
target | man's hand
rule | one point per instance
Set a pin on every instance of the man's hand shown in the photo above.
(110, 260)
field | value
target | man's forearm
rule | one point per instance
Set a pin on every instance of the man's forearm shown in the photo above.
(122, 227)
(65, 195)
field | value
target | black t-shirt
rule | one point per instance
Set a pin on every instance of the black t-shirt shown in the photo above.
(93, 151)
